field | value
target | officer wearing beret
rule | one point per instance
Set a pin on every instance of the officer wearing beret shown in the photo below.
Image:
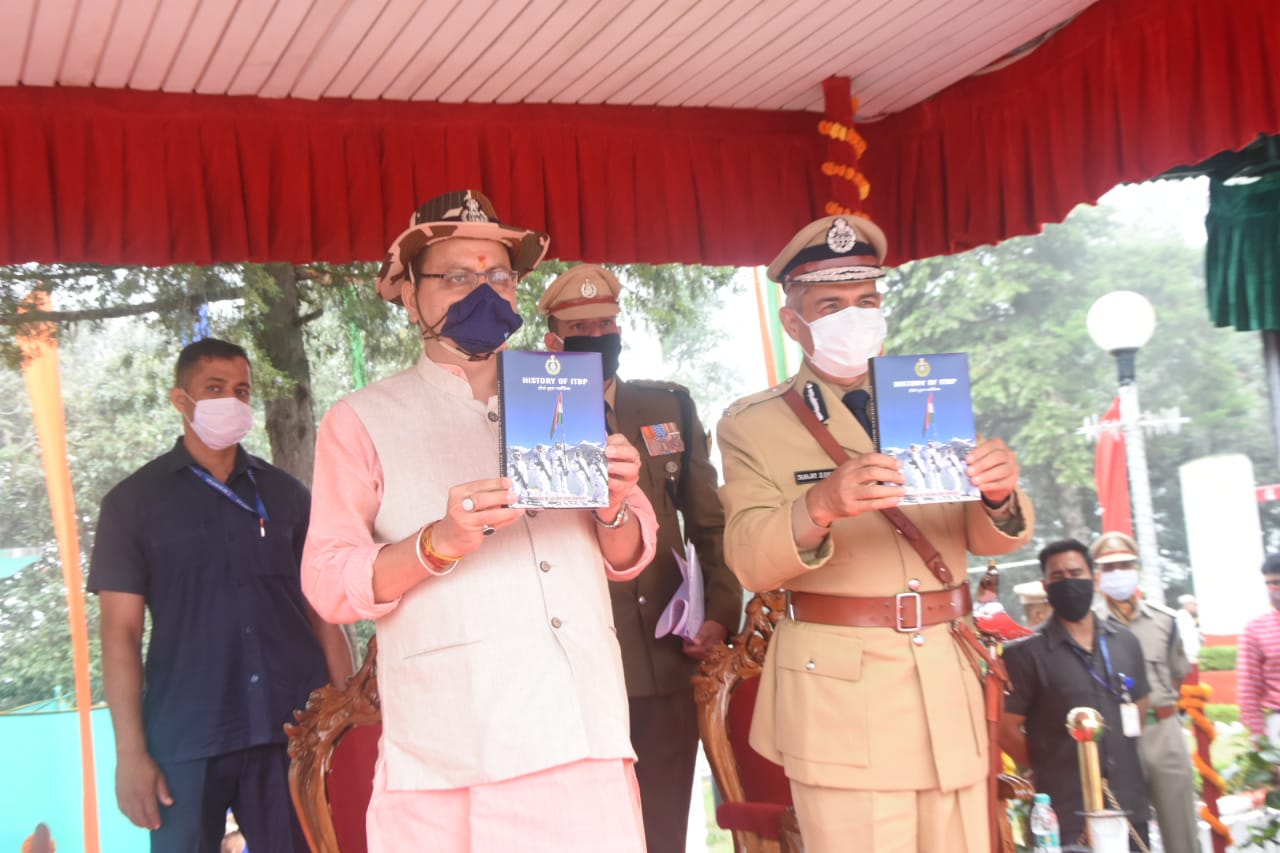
(1163, 748)
(660, 419)
(879, 724)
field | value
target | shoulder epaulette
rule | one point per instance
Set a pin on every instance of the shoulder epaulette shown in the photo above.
(747, 402)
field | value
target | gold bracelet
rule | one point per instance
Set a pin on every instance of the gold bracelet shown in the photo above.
(432, 561)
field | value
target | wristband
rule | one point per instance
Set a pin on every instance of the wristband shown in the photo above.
(618, 520)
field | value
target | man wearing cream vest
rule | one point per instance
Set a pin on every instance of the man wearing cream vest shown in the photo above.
(503, 705)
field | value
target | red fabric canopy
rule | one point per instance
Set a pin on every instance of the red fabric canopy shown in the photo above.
(1128, 89)
(130, 177)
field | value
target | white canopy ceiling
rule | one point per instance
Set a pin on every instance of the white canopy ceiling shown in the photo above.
(756, 54)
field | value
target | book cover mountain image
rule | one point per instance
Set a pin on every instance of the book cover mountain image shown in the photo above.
(552, 437)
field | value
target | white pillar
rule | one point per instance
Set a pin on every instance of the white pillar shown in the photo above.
(1224, 540)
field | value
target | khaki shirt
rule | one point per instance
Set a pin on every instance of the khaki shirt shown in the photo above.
(1156, 628)
(852, 707)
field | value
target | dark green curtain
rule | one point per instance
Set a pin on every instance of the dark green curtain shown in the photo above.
(1242, 257)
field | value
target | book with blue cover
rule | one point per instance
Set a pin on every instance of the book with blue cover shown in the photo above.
(923, 416)
(552, 437)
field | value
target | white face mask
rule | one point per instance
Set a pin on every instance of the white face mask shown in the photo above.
(221, 422)
(1119, 585)
(843, 341)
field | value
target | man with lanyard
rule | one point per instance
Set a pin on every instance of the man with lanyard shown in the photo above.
(504, 715)
(868, 697)
(1076, 660)
(581, 307)
(1163, 749)
(209, 539)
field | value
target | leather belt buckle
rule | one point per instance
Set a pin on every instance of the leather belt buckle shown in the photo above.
(791, 611)
(898, 601)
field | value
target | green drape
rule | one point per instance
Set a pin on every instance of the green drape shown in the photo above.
(1242, 256)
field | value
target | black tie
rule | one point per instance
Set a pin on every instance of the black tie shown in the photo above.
(857, 400)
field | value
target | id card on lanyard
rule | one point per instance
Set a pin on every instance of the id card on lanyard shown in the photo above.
(225, 490)
(1130, 719)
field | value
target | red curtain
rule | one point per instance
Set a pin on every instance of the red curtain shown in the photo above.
(133, 177)
(1111, 475)
(1128, 89)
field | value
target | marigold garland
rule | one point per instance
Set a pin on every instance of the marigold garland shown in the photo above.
(1194, 698)
(849, 173)
(839, 132)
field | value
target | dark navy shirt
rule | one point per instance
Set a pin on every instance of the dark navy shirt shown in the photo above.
(232, 652)
(1048, 678)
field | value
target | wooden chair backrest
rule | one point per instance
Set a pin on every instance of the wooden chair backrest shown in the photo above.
(724, 715)
(338, 731)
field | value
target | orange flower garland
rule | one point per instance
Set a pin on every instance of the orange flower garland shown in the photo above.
(1194, 698)
(849, 173)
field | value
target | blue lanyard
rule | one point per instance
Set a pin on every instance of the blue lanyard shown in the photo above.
(1106, 666)
(225, 490)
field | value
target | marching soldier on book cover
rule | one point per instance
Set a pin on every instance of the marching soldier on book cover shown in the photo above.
(867, 699)
(660, 419)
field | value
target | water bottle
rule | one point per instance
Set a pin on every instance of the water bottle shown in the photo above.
(1044, 826)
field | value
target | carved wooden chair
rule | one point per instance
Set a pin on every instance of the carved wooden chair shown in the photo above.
(332, 750)
(757, 806)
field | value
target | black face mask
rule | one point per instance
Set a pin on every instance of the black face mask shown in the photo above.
(1071, 597)
(609, 346)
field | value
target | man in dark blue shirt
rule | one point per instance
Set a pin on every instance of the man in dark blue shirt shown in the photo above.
(1074, 660)
(209, 540)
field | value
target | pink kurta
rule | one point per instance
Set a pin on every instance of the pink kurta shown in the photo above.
(500, 698)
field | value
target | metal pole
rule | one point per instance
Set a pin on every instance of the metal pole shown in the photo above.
(1144, 521)
(1271, 358)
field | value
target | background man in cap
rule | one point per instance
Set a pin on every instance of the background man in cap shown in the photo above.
(660, 419)
(882, 733)
(1163, 749)
(503, 720)
(1075, 659)
(1189, 626)
(1035, 604)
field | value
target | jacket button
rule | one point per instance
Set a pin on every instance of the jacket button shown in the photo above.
(493, 416)
(810, 666)
(642, 601)
(918, 639)
(545, 566)
(555, 622)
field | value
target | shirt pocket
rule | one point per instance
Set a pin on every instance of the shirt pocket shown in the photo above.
(822, 699)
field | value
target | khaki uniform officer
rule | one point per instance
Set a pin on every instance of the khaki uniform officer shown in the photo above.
(660, 419)
(880, 730)
(1163, 748)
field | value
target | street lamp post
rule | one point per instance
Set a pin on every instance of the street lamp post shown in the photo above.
(1121, 322)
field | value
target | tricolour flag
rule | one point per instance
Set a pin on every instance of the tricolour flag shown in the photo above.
(558, 418)
(928, 416)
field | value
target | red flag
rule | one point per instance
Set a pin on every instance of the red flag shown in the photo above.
(1111, 474)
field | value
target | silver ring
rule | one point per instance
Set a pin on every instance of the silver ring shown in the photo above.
(487, 530)
(468, 505)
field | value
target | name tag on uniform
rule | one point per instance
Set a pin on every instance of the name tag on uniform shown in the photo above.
(662, 439)
(1129, 720)
(803, 477)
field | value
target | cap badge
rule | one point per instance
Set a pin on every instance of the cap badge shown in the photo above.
(588, 289)
(841, 237)
(471, 211)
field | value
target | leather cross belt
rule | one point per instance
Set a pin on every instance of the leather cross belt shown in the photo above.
(906, 612)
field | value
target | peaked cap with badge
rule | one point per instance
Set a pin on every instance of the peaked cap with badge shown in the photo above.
(1114, 547)
(463, 213)
(832, 249)
(587, 290)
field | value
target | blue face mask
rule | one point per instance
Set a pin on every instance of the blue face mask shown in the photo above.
(480, 322)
